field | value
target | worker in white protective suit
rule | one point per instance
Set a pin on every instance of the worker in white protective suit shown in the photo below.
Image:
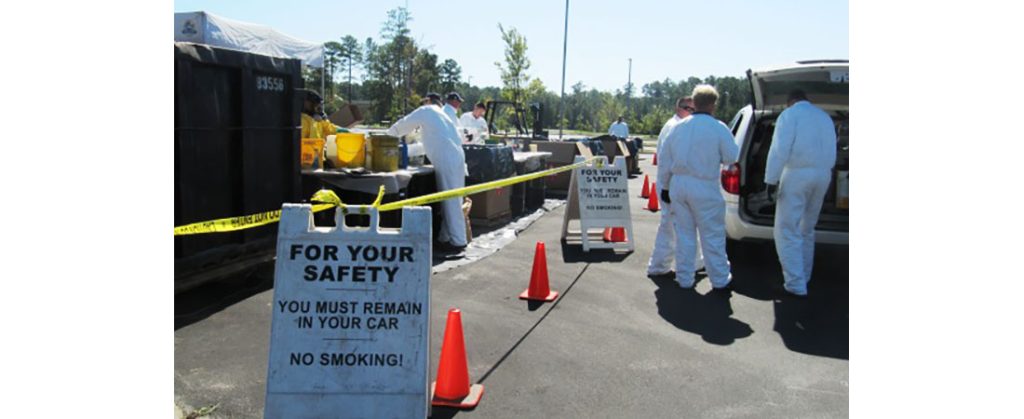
(688, 176)
(444, 149)
(619, 128)
(799, 169)
(475, 124)
(665, 241)
(451, 107)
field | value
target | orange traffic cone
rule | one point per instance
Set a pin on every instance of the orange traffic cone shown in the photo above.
(652, 200)
(615, 235)
(539, 290)
(644, 192)
(452, 386)
(655, 160)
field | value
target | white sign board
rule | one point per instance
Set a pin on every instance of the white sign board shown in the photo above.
(351, 323)
(600, 194)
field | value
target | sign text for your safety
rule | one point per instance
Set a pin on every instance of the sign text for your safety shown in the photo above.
(601, 175)
(357, 255)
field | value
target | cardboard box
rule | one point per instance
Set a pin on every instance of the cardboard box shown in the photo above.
(467, 205)
(348, 116)
(562, 151)
(562, 154)
(491, 204)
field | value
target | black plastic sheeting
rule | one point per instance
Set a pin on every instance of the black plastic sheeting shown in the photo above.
(488, 162)
(486, 244)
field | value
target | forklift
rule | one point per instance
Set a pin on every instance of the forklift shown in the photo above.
(494, 107)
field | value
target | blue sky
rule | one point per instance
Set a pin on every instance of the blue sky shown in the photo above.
(665, 39)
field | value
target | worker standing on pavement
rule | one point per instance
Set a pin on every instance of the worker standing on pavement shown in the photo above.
(619, 128)
(444, 149)
(475, 123)
(665, 241)
(688, 174)
(799, 168)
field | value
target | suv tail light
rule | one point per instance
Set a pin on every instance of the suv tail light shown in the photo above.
(731, 179)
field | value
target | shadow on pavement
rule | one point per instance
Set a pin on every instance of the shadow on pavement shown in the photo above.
(818, 325)
(706, 315)
(202, 302)
(755, 268)
(573, 253)
(443, 412)
(808, 328)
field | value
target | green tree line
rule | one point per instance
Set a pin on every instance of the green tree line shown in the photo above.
(396, 71)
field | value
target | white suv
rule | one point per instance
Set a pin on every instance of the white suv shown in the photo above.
(748, 215)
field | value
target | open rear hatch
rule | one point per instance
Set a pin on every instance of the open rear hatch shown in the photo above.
(827, 86)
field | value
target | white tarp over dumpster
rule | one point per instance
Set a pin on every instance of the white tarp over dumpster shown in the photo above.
(209, 29)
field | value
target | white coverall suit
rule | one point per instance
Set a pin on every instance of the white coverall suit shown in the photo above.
(444, 148)
(452, 114)
(800, 161)
(475, 126)
(665, 240)
(689, 166)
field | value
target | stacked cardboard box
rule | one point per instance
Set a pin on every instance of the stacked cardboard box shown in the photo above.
(490, 207)
(562, 154)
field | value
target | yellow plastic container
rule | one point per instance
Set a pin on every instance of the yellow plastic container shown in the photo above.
(312, 153)
(384, 153)
(350, 150)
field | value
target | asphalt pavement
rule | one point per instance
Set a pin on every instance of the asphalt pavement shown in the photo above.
(614, 344)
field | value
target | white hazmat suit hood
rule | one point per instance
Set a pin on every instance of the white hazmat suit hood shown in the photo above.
(443, 147)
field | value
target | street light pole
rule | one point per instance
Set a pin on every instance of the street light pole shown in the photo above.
(629, 85)
(561, 102)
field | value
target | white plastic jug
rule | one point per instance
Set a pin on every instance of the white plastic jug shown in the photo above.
(331, 148)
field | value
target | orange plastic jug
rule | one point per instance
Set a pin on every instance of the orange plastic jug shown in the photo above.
(312, 153)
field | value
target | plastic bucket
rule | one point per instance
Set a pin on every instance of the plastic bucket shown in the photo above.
(312, 153)
(384, 155)
(351, 150)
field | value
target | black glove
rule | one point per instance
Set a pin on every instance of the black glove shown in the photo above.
(664, 197)
(772, 190)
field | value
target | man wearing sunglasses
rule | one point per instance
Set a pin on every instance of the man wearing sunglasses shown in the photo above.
(688, 177)
(665, 242)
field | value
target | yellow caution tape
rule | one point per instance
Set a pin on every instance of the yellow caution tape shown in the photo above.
(469, 190)
(327, 199)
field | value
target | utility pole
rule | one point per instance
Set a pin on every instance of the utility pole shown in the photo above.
(629, 86)
(561, 102)
(323, 70)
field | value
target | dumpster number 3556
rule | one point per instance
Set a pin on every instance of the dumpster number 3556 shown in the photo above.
(275, 84)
